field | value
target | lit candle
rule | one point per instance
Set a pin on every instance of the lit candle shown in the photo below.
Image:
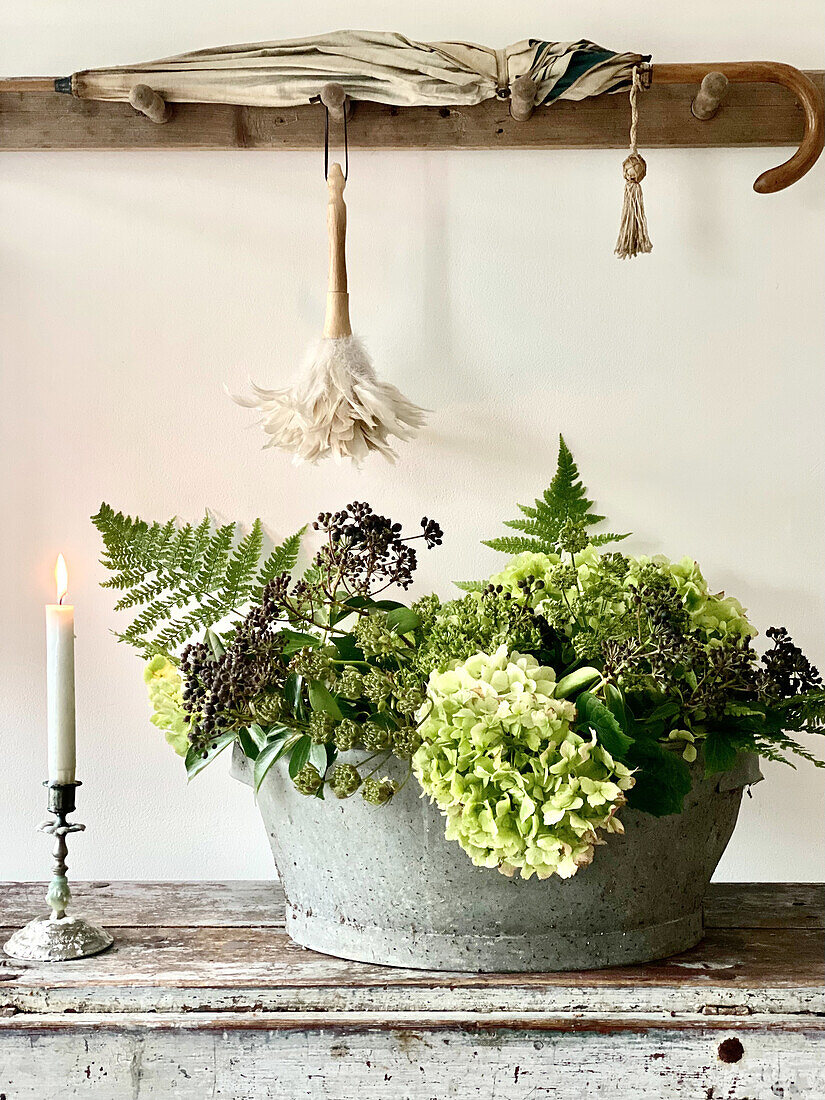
(60, 681)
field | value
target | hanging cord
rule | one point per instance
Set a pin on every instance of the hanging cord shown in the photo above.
(326, 145)
(633, 237)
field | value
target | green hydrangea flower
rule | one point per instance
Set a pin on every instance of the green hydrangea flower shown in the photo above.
(520, 789)
(164, 684)
(523, 566)
(714, 617)
(549, 568)
(717, 617)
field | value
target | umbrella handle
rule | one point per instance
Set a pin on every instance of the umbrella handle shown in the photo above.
(337, 322)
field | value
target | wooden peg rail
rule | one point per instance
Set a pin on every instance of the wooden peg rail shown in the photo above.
(732, 104)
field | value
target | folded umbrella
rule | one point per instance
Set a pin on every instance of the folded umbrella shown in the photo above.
(380, 66)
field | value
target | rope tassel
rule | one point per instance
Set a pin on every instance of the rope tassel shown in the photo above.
(633, 237)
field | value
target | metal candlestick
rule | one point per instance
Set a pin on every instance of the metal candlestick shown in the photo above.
(58, 937)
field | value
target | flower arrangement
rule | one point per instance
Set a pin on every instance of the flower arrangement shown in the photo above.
(531, 709)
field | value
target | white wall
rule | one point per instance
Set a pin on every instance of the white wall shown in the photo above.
(132, 286)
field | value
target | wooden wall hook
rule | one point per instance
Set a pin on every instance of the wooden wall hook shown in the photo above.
(149, 103)
(711, 95)
(522, 98)
(336, 101)
(771, 72)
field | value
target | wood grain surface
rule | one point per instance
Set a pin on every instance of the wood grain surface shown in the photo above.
(203, 995)
(752, 115)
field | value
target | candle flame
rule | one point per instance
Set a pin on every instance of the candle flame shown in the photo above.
(61, 576)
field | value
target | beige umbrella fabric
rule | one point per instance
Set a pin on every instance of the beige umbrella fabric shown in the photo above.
(380, 66)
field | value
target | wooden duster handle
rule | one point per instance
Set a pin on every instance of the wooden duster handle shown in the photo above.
(337, 323)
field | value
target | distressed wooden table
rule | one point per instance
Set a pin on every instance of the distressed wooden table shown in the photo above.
(204, 996)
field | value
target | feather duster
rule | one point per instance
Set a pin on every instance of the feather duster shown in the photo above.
(338, 407)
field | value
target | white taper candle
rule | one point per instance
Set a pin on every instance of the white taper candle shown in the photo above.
(60, 682)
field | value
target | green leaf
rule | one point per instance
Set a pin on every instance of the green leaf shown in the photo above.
(272, 751)
(215, 643)
(259, 735)
(743, 710)
(321, 699)
(403, 620)
(575, 682)
(299, 755)
(615, 701)
(594, 714)
(318, 758)
(347, 648)
(663, 712)
(296, 639)
(196, 761)
(471, 586)
(249, 744)
(719, 753)
(361, 603)
(662, 778)
(293, 694)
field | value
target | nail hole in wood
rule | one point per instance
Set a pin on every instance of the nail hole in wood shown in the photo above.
(730, 1050)
(444, 112)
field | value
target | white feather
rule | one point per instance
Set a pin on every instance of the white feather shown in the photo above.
(338, 407)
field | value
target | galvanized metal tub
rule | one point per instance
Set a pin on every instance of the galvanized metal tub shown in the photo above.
(383, 885)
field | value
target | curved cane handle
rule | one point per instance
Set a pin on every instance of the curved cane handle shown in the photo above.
(771, 72)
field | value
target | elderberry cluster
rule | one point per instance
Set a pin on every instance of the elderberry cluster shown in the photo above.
(786, 671)
(365, 549)
(217, 689)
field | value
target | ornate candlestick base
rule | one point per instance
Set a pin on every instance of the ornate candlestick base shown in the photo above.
(58, 937)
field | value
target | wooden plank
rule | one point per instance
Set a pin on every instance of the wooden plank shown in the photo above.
(753, 115)
(765, 905)
(260, 904)
(240, 903)
(210, 969)
(324, 1057)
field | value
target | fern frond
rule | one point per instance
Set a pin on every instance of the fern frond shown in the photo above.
(564, 502)
(283, 559)
(242, 567)
(185, 578)
(510, 544)
(528, 526)
(602, 540)
(471, 586)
